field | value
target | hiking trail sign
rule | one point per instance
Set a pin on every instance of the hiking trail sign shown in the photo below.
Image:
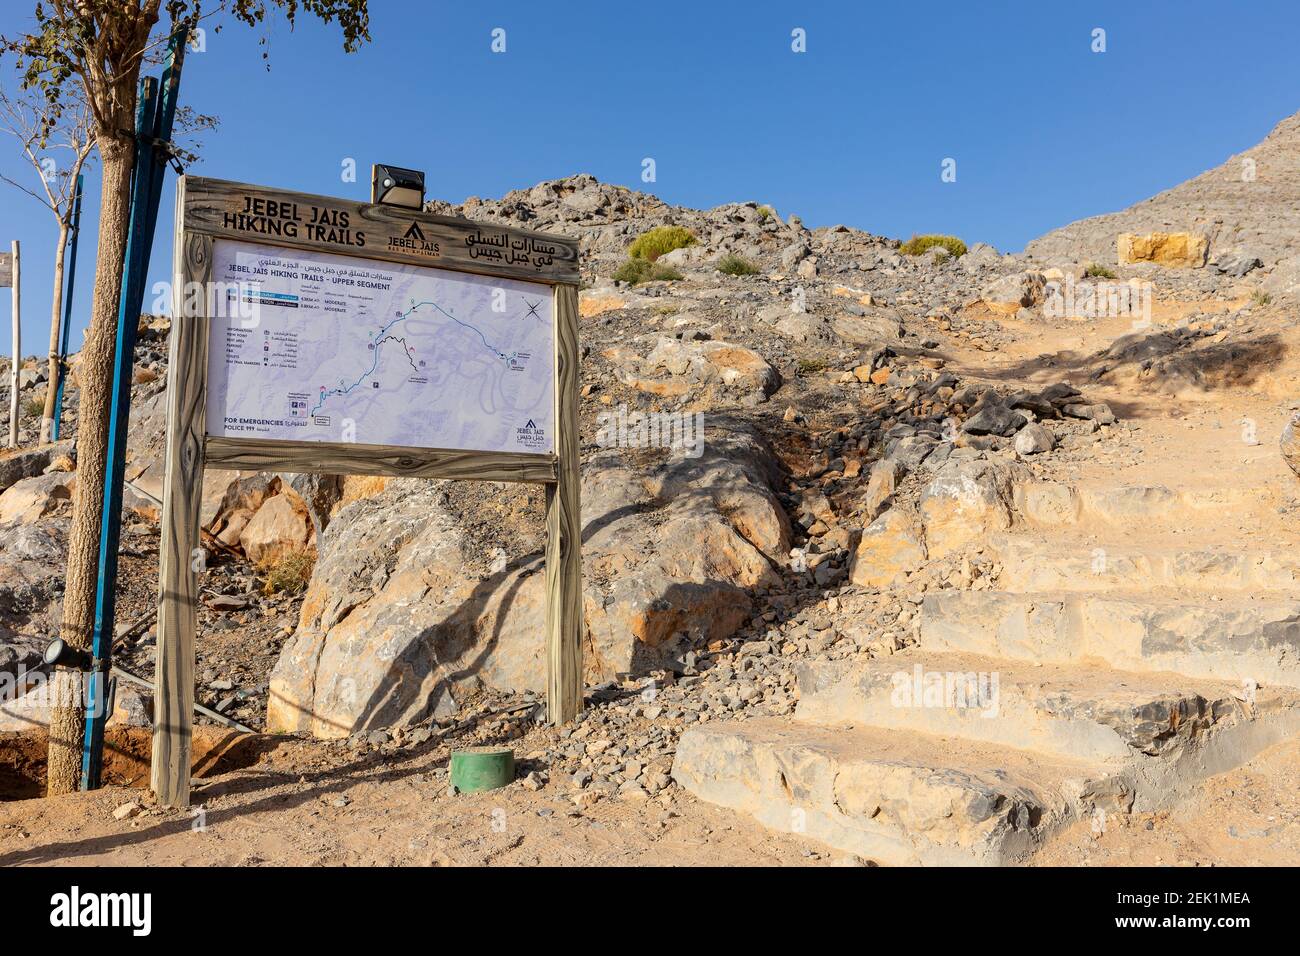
(321, 335)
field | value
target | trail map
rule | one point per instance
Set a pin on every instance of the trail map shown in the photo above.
(310, 346)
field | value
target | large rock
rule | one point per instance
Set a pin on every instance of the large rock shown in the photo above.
(891, 547)
(393, 628)
(806, 327)
(20, 654)
(1009, 294)
(885, 475)
(242, 496)
(966, 501)
(33, 498)
(1172, 249)
(33, 559)
(30, 462)
(994, 419)
(239, 500)
(902, 799)
(1284, 280)
(873, 327)
(717, 364)
(280, 527)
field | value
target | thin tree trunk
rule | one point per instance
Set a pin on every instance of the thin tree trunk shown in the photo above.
(95, 378)
(56, 325)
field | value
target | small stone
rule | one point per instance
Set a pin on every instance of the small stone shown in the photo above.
(1099, 413)
(1034, 439)
(994, 420)
(228, 602)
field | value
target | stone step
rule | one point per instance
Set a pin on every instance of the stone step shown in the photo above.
(1235, 639)
(1159, 733)
(1034, 564)
(902, 799)
(1051, 504)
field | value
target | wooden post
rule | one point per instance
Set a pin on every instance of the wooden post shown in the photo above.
(181, 558)
(564, 625)
(18, 349)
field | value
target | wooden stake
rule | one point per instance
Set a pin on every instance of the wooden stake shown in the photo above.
(180, 558)
(564, 625)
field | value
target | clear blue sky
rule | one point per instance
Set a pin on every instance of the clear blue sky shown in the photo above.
(1043, 130)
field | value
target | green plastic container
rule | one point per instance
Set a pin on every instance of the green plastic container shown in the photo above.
(482, 768)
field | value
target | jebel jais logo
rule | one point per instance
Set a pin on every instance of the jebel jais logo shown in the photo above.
(530, 436)
(414, 241)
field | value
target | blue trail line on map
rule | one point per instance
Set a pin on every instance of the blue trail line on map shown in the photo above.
(379, 339)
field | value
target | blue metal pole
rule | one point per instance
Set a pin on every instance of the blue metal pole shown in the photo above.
(97, 686)
(156, 117)
(67, 309)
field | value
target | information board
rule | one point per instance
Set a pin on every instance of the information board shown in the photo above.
(312, 346)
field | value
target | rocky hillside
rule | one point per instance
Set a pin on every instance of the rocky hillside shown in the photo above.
(1249, 206)
(852, 448)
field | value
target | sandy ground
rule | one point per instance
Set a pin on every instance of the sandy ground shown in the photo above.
(312, 804)
(1246, 817)
(397, 812)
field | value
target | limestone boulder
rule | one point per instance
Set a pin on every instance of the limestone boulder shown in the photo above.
(30, 462)
(32, 498)
(890, 548)
(1034, 439)
(716, 365)
(869, 326)
(281, 526)
(1009, 294)
(1284, 280)
(1179, 250)
(806, 327)
(882, 483)
(964, 502)
(33, 559)
(394, 628)
(241, 495)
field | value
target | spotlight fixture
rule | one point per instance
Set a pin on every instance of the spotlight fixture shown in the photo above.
(58, 653)
(395, 186)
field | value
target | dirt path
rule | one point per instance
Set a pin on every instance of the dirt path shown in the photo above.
(1222, 441)
(313, 804)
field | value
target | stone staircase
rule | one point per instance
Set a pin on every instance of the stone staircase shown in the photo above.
(1125, 653)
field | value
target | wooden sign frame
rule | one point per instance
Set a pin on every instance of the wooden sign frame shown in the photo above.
(208, 210)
